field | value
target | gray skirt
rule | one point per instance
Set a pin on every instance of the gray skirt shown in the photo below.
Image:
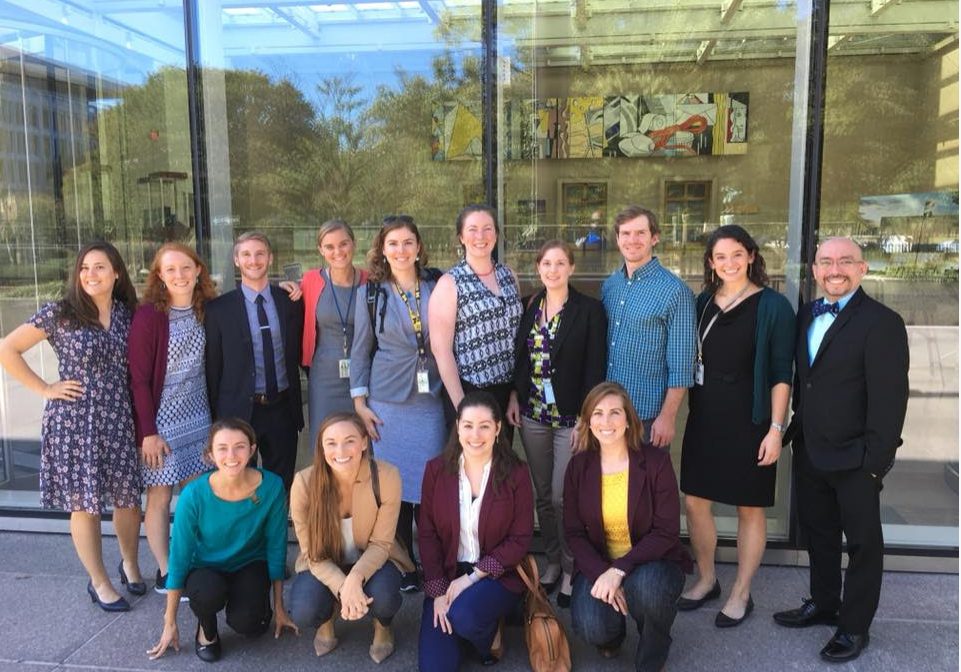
(412, 433)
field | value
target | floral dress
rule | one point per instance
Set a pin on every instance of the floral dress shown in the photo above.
(88, 457)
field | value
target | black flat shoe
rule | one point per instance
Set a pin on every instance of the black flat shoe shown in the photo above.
(410, 582)
(551, 586)
(209, 653)
(722, 620)
(564, 600)
(133, 587)
(806, 615)
(687, 604)
(844, 647)
(119, 604)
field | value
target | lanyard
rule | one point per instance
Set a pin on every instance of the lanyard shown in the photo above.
(350, 302)
(702, 337)
(415, 318)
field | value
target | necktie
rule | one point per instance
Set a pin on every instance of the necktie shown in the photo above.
(270, 368)
(821, 307)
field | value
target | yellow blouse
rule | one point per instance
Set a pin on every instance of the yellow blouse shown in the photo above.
(617, 534)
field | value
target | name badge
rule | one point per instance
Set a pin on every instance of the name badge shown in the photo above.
(698, 373)
(344, 367)
(549, 392)
(423, 382)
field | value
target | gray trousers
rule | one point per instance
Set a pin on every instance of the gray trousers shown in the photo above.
(548, 451)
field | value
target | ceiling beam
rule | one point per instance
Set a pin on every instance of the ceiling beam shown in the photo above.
(704, 51)
(729, 10)
(878, 6)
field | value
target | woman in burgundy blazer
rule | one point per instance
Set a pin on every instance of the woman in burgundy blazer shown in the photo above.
(622, 524)
(475, 526)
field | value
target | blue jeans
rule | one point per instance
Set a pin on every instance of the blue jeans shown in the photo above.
(651, 590)
(474, 615)
(311, 603)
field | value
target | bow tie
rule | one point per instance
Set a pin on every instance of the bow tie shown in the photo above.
(820, 307)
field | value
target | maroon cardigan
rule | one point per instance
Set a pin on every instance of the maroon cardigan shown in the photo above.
(653, 513)
(147, 358)
(505, 530)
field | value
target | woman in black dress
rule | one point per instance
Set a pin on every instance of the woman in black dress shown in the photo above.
(738, 407)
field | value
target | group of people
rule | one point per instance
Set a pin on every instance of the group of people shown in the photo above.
(431, 373)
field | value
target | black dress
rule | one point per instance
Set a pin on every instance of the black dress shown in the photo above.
(719, 455)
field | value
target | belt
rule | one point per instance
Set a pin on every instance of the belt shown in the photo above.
(262, 400)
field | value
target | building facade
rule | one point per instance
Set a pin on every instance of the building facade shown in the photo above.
(144, 121)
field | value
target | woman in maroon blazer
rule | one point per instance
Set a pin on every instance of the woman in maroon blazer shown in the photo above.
(622, 524)
(475, 526)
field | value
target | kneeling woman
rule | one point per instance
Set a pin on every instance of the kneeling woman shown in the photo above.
(345, 510)
(622, 524)
(475, 526)
(229, 543)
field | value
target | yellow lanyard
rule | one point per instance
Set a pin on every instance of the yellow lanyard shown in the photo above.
(415, 317)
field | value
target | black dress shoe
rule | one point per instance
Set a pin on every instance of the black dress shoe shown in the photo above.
(119, 604)
(410, 582)
(209, 653)
(844, 647)
(564, 600)
(133, 587)
(722, 620)
(687, 604)
(806, 615)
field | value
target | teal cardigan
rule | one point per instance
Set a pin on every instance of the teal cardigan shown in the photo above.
(773, 348)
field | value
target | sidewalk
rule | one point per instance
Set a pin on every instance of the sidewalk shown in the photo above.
(48, 623)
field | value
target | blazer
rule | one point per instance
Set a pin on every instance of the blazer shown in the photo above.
(505, 530)
(374, 528)
(313, 286)
(849, 404)
(578, 351)
(653, 513)
(147, 358)
(390, 373)
(230, 354)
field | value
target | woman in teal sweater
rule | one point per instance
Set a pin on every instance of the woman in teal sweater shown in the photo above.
(738, 408)
(229, 543)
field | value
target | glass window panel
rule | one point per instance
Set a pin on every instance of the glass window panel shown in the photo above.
(93, 118)
(892, 184)
(674, 106)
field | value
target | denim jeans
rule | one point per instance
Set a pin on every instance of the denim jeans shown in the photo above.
(474, 615)
(651, 590)
(311, 603)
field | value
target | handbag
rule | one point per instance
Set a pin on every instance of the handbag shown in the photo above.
(544, 635)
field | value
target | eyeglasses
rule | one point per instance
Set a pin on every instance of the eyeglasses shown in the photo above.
(845, 263)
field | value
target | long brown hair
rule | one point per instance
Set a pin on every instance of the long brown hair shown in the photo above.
(156, 292)
(377, 266)
(503, 460)
(77, 309)
(585, 439)
(756, 270)
(325, 540)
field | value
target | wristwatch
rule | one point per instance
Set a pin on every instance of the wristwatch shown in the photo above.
(778, 426)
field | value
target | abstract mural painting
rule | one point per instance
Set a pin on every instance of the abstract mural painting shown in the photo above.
(455, 133)
(591, 127)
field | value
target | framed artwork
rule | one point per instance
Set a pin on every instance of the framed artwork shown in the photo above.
(579, 199)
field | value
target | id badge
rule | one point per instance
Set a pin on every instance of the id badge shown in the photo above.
(698, 373)
(423, 382)
(344, 367)
(549, 392)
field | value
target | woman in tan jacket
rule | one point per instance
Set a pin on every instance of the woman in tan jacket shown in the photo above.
(345, 510)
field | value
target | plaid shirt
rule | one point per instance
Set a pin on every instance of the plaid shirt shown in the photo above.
(650, 327)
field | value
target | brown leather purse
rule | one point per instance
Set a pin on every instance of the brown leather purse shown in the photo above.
(543, 633)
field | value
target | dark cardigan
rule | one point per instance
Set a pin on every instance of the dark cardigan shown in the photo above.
(147, 359)
(773, 348)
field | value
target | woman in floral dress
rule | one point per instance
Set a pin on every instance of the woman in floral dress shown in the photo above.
(88, 458)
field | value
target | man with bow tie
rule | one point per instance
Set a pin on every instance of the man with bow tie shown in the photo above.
(850, 397)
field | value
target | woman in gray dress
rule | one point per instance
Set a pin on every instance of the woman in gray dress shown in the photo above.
(330, 295)
(167, 383)
(393, 376)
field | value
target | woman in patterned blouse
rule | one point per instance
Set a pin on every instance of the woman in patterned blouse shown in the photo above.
(561, 355)
(473, 314)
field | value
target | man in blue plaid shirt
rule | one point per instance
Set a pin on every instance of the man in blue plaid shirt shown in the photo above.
(650, 327)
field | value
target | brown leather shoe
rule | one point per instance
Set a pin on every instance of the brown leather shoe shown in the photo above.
(325, 640)
(383, 644)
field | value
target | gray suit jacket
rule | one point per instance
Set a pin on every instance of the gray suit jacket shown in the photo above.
(391, 375)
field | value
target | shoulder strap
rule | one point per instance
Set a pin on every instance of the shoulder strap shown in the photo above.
(527, 570)
(373, 290)
(375, 481)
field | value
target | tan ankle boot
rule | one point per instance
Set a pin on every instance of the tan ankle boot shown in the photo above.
(383, 645)
(325, 640)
